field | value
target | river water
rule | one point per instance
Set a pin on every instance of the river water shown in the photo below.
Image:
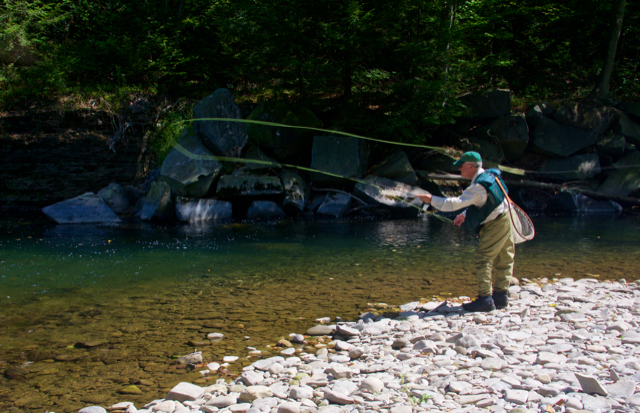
(87, 310)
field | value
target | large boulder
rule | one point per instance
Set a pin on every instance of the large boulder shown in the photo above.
(511, 133)
(223, 138)
(397, 167)
(611, 144)
(631, 108)
(577, 167)
(87, 208)
(625, 178)
(570, 201)
(537, 112)
(438, 187)
(285, 143)
(190, 169)
(529, 199)
(335, 205)
(338, 155)
(115, 197)
(296, 192)
(395, 197)
(256, 160)
(241, 185)
(157, 203)
(492, 155)
(557, 139)
(264, 210)
(487, 105)
(436, 161)
(585, 117)
(196, 210)
(626, 127)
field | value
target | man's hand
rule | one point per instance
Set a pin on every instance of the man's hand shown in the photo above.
(425, 198)
(459, 220)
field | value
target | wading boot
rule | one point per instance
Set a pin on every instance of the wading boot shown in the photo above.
(501, 299)
(482, 304)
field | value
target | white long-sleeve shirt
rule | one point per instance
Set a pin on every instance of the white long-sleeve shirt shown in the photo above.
(475, 194)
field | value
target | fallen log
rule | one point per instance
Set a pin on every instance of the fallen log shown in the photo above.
(521, 183)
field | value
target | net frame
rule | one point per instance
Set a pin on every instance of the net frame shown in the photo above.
(521, 226)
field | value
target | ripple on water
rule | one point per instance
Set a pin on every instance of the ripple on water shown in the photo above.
(94, 311)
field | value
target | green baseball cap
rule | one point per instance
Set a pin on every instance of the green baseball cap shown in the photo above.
(468, 157)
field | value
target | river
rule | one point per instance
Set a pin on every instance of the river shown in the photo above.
(88, 310)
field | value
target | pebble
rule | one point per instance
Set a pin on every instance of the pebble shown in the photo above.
(562, 344)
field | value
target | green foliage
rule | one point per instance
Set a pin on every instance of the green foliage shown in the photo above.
(393, 70)
(175, 118)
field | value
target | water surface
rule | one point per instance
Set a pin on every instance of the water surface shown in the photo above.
(86, 310)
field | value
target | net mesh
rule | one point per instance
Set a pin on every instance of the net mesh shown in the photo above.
(521, 226)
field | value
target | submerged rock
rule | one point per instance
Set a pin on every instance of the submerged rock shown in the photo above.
(157, 203)
(115, 197)
(87, 208)
(335, 205)
(265, 210)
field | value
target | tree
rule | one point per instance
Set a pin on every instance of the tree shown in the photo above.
(601, 90)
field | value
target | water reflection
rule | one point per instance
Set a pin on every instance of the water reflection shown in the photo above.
(146, 290)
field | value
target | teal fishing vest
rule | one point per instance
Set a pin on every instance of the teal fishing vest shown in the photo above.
(495, 196)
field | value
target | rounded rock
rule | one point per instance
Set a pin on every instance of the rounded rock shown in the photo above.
(289, 408)
(93, 409)
(372, 384)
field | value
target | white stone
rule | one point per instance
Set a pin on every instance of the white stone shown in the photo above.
(223, 401)
(300, 392)
(492, 364)
(289, 408)
(230, 359)
(184, 392)
(591, 385)
(167, 406)
(92, 409)
(372, 384)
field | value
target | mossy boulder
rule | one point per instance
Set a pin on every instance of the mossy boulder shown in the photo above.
(284, 143)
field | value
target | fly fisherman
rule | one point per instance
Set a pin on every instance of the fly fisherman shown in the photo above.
(487, 208)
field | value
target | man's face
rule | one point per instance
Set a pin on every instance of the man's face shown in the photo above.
(467, 170)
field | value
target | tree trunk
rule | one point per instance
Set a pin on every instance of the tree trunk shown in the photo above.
(601, 91)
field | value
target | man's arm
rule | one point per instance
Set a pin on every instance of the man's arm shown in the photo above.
(474, 195)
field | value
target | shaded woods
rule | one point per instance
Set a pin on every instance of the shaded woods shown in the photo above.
(399, 62)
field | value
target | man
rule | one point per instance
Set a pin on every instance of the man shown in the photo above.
(486, 207)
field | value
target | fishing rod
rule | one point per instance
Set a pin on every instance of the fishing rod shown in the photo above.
(511, 170)
(197, 157)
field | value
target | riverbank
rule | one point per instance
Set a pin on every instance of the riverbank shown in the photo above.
(561, 345)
